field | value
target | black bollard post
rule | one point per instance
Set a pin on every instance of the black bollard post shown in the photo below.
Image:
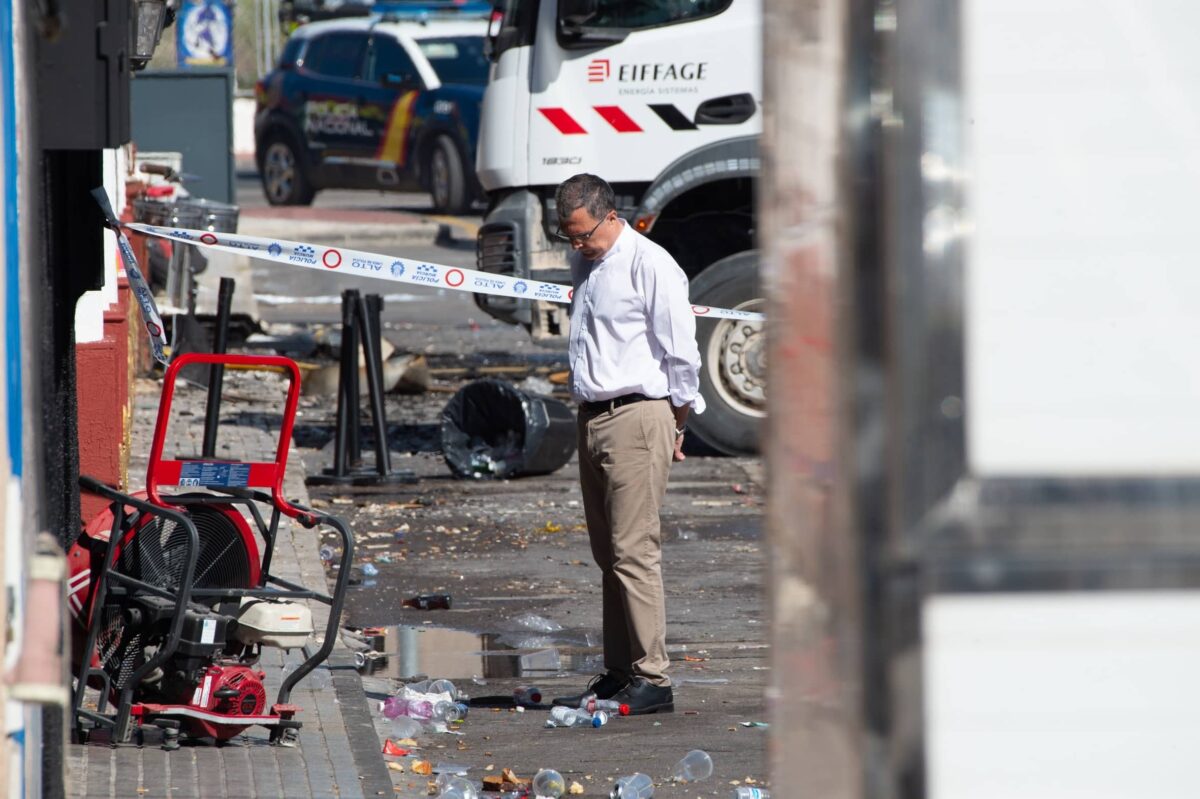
(371, 354)
(350, 369)
(216, 374)
(347, 414)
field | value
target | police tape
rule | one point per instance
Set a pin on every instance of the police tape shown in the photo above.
(137, 282)
(386, 267)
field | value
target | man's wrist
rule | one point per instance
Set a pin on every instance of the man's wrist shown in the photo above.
(680, 430)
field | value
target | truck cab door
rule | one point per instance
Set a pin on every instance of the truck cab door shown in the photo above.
(501, 157)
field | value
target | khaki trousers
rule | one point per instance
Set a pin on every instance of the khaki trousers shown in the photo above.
(624, 461)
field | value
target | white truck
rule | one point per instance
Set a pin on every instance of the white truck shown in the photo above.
(662, 98)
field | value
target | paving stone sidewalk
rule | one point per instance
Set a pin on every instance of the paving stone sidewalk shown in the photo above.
(339, 752)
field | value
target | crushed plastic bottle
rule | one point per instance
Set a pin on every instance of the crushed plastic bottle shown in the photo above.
(635, 786)
(405, 727)
(549, 783)
(696, 765)
(574, 717)
(746, 792)
(327, 553)
(591, 704)
(532, 621)
(370, 570)
(527, 695)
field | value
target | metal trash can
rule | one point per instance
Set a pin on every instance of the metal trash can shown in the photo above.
(493, 430)
(215, 216)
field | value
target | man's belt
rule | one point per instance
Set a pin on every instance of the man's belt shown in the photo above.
(600, 406)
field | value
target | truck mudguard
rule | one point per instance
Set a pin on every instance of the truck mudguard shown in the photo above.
(732, 158)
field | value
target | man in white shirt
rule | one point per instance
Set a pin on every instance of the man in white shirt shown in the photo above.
(635, 374)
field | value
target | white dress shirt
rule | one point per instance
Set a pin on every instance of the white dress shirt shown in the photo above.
(632, 327)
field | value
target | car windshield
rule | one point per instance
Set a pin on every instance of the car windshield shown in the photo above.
(457, 59)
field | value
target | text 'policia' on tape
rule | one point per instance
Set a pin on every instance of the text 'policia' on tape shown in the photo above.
(386, 267)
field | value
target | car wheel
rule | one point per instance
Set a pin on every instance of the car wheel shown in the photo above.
(733, 357)
(447, 178)
(283, 175)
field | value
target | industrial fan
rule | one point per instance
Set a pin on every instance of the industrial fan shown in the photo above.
(173, 600)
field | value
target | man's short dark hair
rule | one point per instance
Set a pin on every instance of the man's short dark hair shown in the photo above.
(584, 191)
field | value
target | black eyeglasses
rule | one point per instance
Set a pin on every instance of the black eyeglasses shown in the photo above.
(578, 238)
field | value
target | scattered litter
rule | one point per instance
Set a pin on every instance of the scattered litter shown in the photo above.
(694, 659)
(754, 724)
(391, 748)
(713, 503)
(394, 766)
(370, 570)
(532, 621)
(576, 789)
(422, 767)
(506, 780)
(686, 535)
(548, 782)
(551, 527)
(429, 602)
(701, 681)
(696, 765)
(635, 786)
(738, 488)
(527, 695)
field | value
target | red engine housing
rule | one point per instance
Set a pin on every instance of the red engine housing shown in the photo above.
(241, 694)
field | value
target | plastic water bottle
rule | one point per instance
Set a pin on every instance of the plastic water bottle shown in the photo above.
(635, 786)
(421, 709)
(527, 695)
(397, 706)
(370, 570)
(695, 765)
(591, 704)
(746, 792)
(447, 711)
(548, 782)
(571, 717)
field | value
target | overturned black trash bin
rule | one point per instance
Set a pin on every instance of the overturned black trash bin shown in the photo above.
(493, 430)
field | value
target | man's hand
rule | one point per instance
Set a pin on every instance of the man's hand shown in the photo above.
(681, 415)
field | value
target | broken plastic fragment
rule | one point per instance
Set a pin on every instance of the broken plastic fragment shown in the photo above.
(391, 748)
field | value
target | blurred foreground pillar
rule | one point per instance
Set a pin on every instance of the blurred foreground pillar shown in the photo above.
(810, 238)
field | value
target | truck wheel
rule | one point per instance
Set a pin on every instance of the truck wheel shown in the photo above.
(733, 356)
(447, 179)
(283, 178)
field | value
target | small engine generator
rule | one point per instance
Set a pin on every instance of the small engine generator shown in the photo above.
(173, 597)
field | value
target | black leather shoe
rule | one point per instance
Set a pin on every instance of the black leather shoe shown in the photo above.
(644, 697)
(603, 686)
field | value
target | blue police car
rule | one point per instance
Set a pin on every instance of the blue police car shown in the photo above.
(374, 103)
